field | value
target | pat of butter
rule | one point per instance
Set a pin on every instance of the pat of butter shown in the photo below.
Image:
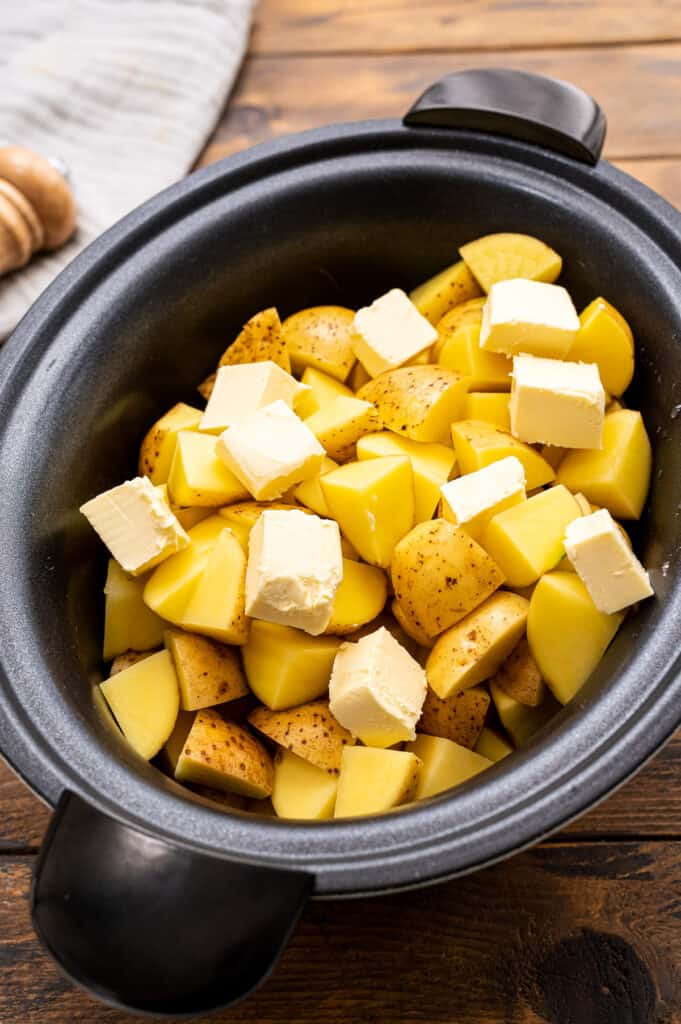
(295, 566)
(557, 403)
(608, 568)
(136, 524)
(270, 450)
(528, 316)
(472, 500)
(390, 332)
(243, 388)
(377, 690)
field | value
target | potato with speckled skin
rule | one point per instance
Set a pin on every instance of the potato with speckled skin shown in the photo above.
(466, 313)
(321, 337)
(360, 597)
(420, 402)
(340, 424)
(310, 731)
(158, 446)
(126, 660)
(504, 256)
(209, 672)
(414, 632)
(222, 755)
(260, 340)
(459, 718)
(451, 287)
(520, 721)
(439, 574)
(520, 677)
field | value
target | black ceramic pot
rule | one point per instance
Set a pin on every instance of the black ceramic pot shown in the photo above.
(152, 898)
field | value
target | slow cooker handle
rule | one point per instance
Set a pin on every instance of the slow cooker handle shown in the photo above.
(155, 928)
(532, 108)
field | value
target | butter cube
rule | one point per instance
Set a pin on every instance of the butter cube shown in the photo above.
(605, 563)
(295, 566)
(472, 500)
(270, 450)
(390, 332)
(245, 387)
(557, 403)
(136, 524)
(377, 690)
(528, 316)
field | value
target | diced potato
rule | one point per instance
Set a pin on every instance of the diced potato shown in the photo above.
(310, 731)
(358, 377)
(526, 540)
(443, 764)
(489, 407)
(440, 293)
(321, 337)
(158, 446)
(242, 517)
(465, 313)
(360, 597)
(322, 391)
(567, 635)
(414, 632)
(261, 340)
(174, 746)
(520, 721)
(373, 503)
(418, 401)
(618, 476)
(209, 673)
(374, 780)
(605, 338)
(224, 756)
(145, 700)
(478, 444)
(472, 650)
(520, 677)
(310, 493)
(460, 351)
(340, 424)
(504, 256)
(170, 586)
(199, 477)
(128, 623)
(188, 517)
(439, 574)
(127, 660)
(285, 666)
(492, 745)
(459, 718)
(301, 790)
(217, 605)
(432, 465)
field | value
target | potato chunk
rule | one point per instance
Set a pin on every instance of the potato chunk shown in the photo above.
(459, 718)
(444, 764)
(322, 390)
(431, 465)
(520, 721)
(198, 477)
(217, 605)
(310, 493)
(360, 597)
(504, 256)
(440, 293)
(373, 780)
(145, 700)
(260, 340)
(128, 623)
(224, 756)
(301, 790)
(310, 731)
(321, 337)
(520, 677)
(460, 351)
(478, 444)
(340, 424)
(465, 313)
(158, 446)
(605, 338)
(285, 666)
(209, 673)
(492, 745)
(490, 407)
(418, 401)
(170, 586)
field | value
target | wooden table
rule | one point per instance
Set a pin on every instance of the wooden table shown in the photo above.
(585, 929)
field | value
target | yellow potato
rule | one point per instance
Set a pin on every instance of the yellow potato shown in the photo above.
(360, 597)
(260, 340)
(418, 401)
(127, 660)
(358, 377)
(478, 444)
(224, 756)
(472, 650)
(301, 790)
(209, 673)
(459, 718)
(492, 745)
(465, 313)
(373, 503)
(310, 731)
(451, 287)
(444, 764)
(145, 700)
(489, 407)
(432, 465)
(321, 337)
(605, 338)
(322, 391)
(414, 632)
(188, 517)
(505, 256)
(216, 606)
(439, 574)
(520, 677)
(310, 493)
(242, 517)
(170, 586)
(158, 446)
(128, 623)
(567, 635)
(460, 351)
(373, 780)
(199, 477)
(520, 721)
(340, 424)
(174, 745)
(526, 540)
(618, 476)
(285, 666)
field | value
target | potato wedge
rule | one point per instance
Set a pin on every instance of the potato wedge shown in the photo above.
(503, 256)
(260, 340)
(222, 755)
(409, 627)
(520, 677)
(128, 623)
(432, 465)
(158, 446)
(520, 721)
(340, 424)
(170, 586)
(286, 667)
(360, 597)
(420, 402)
(492, 745)
(440, 293)
(301, 790)
(310, 731)
(444, 764)
(477, 444)
(605, 338)
(321, 337)
(459, 718)
(209, 673)
(322, 390)
(374, 780)
(145, 700)
(217, 605)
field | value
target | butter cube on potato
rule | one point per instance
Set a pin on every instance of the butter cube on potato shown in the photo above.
(605, 563)
(390, 332)
(557, 403)
(528, 316)
(472, 500)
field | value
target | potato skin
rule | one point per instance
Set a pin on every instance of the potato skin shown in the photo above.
(406, 397)
(321, 337)
(310, 731)
(259, 340)
(126, 660)
(460, 717)
(520, 678)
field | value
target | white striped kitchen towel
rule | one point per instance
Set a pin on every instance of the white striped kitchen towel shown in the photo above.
(123, 92)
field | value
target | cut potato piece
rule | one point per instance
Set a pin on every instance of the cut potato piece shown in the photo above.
(209, 673)
(414, 632)
(526, 540)
(504, 256)
(373, 503)
(469, 312)
(340, 424)
(444, 764)
(127, 660)
(174, 746)
(605, 338)
(189, 517)
(321, 337)
(242, 517)
(260, 341)
(440, 293)
(128, 623)
(472, 651)
(358, 377)
(618, 476)
(520, 677)
(418, 401)
(439, 574)
(310, 493)
(285, 666)
(158, 446)
(216, 606)
(224, 756)
(432, 465)
(322, 390)
(489, 407)
(301, 790)
(460, 351)
(373, 780)
(459, 718)
(567, 635)
(360, 597)
(170, 586)
(310, 731)
(520, 721)
(492, 745)
(199, 477)
(477, 444)
(553, 455)
(145, 700)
